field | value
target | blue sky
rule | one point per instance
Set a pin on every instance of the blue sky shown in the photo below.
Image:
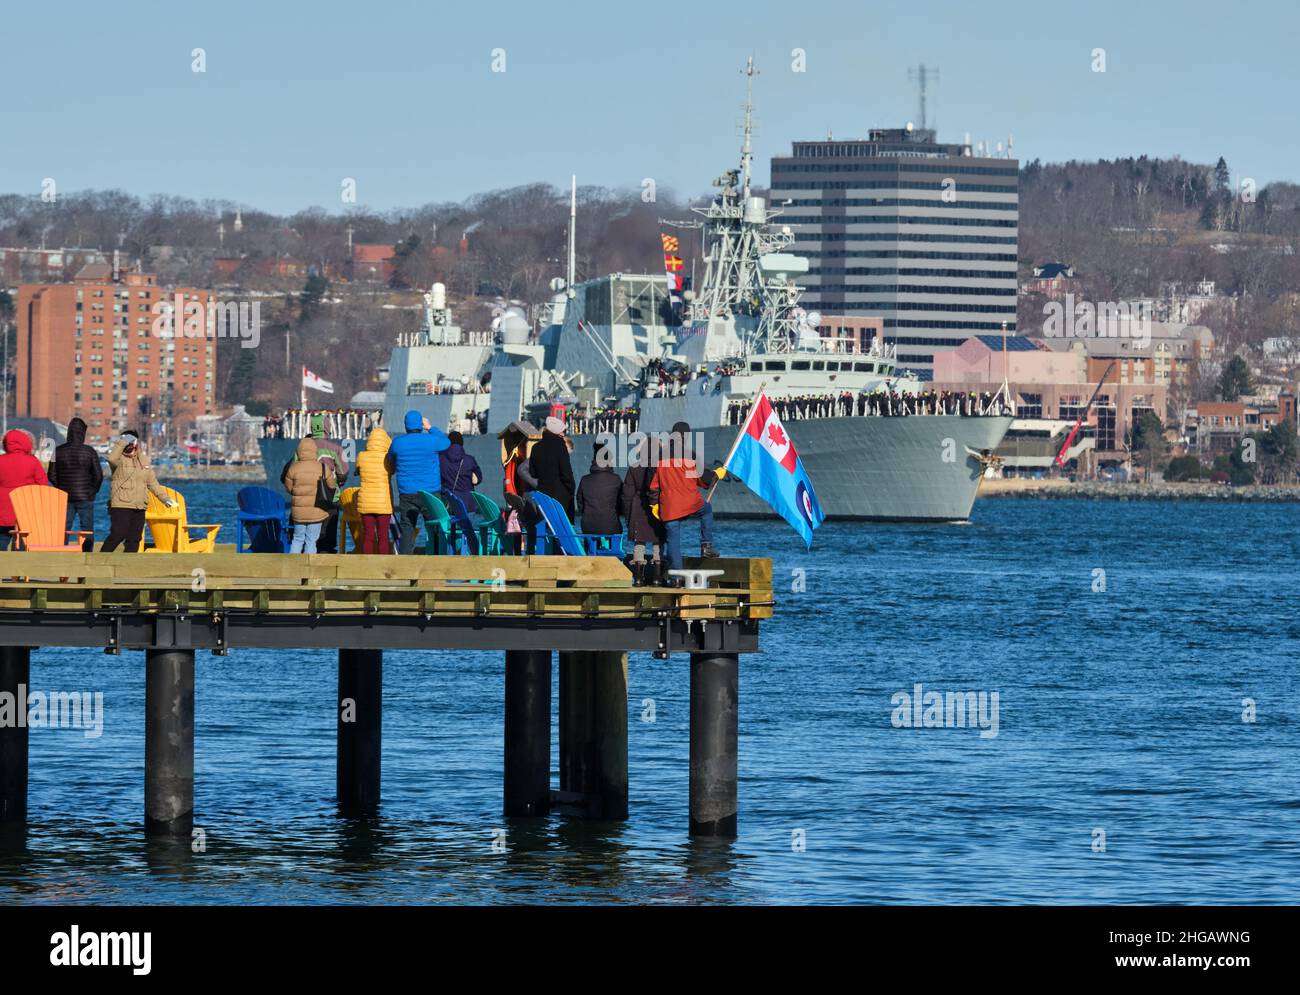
(401, 96)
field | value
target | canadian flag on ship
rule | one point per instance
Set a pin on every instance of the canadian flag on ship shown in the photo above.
(310, 379)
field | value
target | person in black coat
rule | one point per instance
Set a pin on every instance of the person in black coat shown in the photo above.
(551, 466)
(643, 528)
(600, 496)
(76, 470)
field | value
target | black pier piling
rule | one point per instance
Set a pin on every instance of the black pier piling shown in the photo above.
(715, 684)
(169, 741)
(360, 730)
(15, 677)
(593, 733)
(528, 733)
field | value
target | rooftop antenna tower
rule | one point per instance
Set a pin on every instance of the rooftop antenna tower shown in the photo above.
(921, 75)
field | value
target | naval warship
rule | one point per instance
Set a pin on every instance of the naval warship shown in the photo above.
(624, 357)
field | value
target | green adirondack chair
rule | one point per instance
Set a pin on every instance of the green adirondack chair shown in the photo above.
(492, 533)
(437, 526)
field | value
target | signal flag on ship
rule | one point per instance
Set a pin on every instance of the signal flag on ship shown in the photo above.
(764, 457)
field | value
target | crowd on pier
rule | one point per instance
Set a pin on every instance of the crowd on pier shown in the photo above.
(651, 505)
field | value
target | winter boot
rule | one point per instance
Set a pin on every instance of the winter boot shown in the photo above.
(638, 574)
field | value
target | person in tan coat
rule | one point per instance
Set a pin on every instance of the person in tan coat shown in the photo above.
(133, 482)
(302, 479)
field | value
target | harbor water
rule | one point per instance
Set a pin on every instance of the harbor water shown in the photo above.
(1141, 748)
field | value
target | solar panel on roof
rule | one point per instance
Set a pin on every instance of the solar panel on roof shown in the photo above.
(1015, 343)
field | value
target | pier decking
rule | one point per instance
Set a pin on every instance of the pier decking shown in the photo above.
(584, 608)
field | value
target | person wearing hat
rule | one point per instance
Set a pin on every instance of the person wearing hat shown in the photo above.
(675, 486)
(18, 468)
(600, 495)
(413, 458)
(552, 467)
(133, 482)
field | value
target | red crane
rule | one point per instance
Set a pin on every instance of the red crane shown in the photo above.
(1069, 439)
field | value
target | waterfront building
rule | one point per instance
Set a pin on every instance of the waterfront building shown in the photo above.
(90, 348)
(900, 226)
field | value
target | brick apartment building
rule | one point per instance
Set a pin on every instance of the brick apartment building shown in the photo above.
(88, 348)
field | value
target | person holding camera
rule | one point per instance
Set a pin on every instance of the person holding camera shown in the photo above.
(133, 482)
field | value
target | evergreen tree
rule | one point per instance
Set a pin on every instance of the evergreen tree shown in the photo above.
(1235, 380)
(1222, 176)
(312, 292)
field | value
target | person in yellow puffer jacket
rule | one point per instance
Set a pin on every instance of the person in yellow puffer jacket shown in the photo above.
(375, 501)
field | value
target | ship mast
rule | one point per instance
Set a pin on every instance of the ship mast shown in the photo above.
(745, 295)
(573, 245)
(747, 150)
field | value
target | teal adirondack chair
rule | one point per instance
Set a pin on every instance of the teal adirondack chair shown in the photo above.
(438, 527)
(492, 533)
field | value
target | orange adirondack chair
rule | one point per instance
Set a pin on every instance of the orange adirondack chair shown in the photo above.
(42, 519)
(171, 528)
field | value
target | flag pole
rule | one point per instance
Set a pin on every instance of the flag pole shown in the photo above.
(736, 442)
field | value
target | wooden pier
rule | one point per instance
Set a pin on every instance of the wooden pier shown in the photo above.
(584, 608)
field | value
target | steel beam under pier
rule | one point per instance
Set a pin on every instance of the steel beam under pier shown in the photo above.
(15, 678)
(528, 733)
(593, 734)
(715, 684)
(168, 741)
(360, 730)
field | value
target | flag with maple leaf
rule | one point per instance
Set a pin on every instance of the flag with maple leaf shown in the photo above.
(764, 458)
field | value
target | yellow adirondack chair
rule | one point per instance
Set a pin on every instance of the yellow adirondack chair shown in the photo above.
(351, 517)
(42, 512)
(171, 528)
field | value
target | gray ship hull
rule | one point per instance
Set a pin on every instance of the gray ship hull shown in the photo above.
(905, 469)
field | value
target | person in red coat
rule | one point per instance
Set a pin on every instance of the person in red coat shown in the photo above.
(18, 467)
(675, 485)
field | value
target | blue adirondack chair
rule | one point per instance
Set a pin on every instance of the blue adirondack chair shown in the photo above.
(263, 519)
(569, 541)
(464, 534)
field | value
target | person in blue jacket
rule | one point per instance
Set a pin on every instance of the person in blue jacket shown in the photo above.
(413, 458)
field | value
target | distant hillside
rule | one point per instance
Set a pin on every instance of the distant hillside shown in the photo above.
(1126, 226)
(1129, 225)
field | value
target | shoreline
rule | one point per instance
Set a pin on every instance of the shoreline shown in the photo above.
(1021, 488)
(1092, 490)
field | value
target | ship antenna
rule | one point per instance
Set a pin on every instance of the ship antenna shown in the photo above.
(747, 152)
(573, 220)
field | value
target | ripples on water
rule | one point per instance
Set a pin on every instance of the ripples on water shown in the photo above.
(1118, 710)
